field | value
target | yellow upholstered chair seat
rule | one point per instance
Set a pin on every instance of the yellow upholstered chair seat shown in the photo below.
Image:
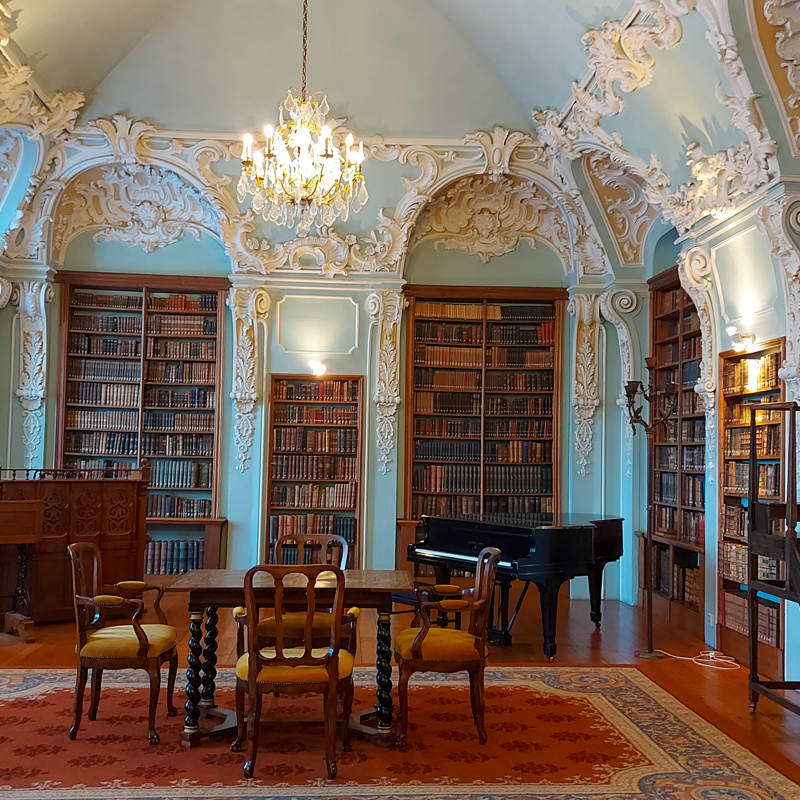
(441, 644)
(119, 641)
(304, 673)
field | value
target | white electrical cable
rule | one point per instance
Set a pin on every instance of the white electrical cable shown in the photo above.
(713, 659)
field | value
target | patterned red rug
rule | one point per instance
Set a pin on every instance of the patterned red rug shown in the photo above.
(554, 732)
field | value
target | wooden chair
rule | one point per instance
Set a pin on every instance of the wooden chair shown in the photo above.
(101, 647)
(299, 549)
(432, 649)
(293, 670)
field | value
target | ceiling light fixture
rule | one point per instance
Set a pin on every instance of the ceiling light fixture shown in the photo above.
(305, 175)
(317, 367)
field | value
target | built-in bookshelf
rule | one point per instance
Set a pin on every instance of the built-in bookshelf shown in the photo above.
(483, 401)
(749, 383)
(314, 484)
(140, 380)
(677, 457)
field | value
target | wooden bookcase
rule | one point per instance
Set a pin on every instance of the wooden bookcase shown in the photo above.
(677, 458)
(749, 379)
(314, 483)
(140, 379)
(483, 400)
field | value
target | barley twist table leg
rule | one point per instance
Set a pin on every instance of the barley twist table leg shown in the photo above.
(190, 723)
(210, 659)
(384, 673)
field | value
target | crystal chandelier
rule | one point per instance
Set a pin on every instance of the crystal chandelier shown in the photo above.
(303, 176)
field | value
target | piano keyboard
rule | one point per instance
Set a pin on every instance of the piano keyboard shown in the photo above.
(450, 556)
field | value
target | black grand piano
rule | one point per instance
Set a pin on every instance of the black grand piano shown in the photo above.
(542, 549)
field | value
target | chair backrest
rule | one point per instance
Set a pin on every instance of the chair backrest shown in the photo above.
(87, 580)
(306, 588)
(485, 571)
(307, 548)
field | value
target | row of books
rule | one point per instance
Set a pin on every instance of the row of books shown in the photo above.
(122, 301)
(691, 403)
(447, 450)
(662, 577)
(333, 389)
(665, 487)
(340, 496)
(519, 381)
(532, 313)
(81, 344)
(736, 476)
(734, 562)
(751, 374)
(668, 300)
(459, 403)
(181, 398)
(176, 421)
(768, 442)
(322, 524)
(693, 529)
(180, 474)
(446, 478)
(182, 372)
(112, 443)
(740, 413)
(519, 452)
(519, 406)
(178, 444)
(303, 440)
(519, 480)
(290, 555)
(449, 310)
(666, 519)
(180, 302)
(693, 490)
(448, 332)
(182, 325)
(541, 335)
(734, 520)
(314, 468)
(167, 348)
(100, 468)
(733, 614)
(435, 356)
(693, 456)
(686, 585)
(444, 505)
(446, 428)
(105, 370)
(518, 505)
(693, 430)
(173, 556)
(692, 348)
(668, 353)
(522, 428)
(667, 457)
(315, 415)
(426, 378)
(102, 420)
(518, 357)
(168, 506)
(103, 323)
(690, 373)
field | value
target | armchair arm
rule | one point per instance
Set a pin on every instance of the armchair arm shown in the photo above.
(102, 601)
(423, 616)
(135, 589)
(240, 617)
(350, 620)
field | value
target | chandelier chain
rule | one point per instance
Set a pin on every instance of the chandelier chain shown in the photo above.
(305, 43)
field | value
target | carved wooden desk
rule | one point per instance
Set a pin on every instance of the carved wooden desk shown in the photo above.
(211, 589)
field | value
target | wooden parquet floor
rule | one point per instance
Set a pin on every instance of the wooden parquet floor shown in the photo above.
(719, 696)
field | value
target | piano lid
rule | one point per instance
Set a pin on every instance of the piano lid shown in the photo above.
(540, 521)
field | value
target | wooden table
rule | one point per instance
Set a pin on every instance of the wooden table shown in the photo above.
(211, 589)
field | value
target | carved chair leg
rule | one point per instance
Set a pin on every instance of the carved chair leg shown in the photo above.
(347, 709)
(80, 685)
(330, 732)
(97, 681)
(155, 685)
(236, 744)
(402, 694)
(253, 719)
(172, 711)
(478, 705)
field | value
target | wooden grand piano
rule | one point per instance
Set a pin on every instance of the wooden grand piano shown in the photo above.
(543, 549)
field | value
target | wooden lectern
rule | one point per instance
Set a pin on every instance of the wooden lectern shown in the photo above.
(21, 523)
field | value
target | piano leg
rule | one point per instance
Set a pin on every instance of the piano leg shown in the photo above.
(548, 599)
(500, 635)
(595, 592)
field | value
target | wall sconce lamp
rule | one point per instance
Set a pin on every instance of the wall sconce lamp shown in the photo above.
(317, 367)
(742, 342)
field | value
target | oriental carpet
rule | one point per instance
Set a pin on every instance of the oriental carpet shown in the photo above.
(555, 733)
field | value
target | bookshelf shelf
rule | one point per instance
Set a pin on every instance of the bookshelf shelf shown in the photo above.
(314, 483)
(677, 458)
(480, 431)
(116, 315)
(749, 383)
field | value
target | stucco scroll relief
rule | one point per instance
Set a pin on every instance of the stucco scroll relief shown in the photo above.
(487, 215)
(773, 219)
(139, 205)
(694, 272)
(386, 311)
(585, 309)
(249, 307)
(30, 298)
